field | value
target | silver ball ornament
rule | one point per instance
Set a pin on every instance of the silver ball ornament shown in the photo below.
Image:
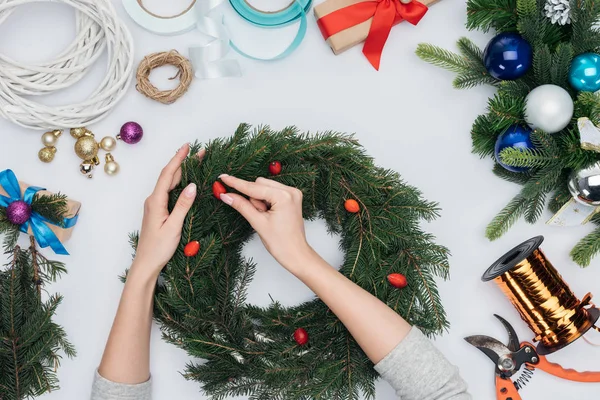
(584, 185)
(549, 108)
(108, 143)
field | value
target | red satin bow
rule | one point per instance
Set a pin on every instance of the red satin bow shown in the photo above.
(385, 14)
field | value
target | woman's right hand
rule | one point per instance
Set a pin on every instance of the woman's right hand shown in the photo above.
(275, 212)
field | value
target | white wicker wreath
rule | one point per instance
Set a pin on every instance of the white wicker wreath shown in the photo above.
(98, 28)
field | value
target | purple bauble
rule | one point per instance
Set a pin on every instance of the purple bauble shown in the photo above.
(18, 212)
(131, 133)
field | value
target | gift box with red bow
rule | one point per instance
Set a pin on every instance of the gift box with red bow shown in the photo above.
(346, 23)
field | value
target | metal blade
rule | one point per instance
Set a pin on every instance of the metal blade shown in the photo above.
(513, 339)
(491, 347)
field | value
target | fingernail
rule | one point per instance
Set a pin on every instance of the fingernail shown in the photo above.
(190, 190)
(223, 176)
(227, 199)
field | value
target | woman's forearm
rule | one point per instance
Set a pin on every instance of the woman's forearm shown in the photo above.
(126, 357)
(375, 326)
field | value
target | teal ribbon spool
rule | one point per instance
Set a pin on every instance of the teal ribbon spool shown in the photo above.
(297, 10)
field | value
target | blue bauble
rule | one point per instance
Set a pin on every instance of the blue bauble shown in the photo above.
(507, 56)
(584, 74)
(516, 136)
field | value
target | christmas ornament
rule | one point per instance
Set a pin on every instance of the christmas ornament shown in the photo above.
(111, 167)
(558, 11)
(46, 154)
(76, 133)
(397, 280)
(191, 249)
(18, 212)
(516, 136)
(87, 168)
(327, 167)
(301, 336)
(86, 147)
(351, 206)
(218, 189)
(275, 168)
(584, 74)
(131, 133)
(108, 143)
(584, 185)
(50, 139)
(549, 108)
(508, 56)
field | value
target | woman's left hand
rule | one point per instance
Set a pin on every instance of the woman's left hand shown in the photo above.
(161, 232)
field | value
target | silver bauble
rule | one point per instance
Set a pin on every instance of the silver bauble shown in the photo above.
(584, 185)
(549, 108)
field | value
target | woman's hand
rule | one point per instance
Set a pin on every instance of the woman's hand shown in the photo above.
(275, 212)
(161, 232)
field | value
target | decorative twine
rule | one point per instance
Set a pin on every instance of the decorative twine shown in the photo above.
(155, 60)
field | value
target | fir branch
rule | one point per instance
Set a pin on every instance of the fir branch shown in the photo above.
(498, 15)
(585, 35)
(530, 158)
(542, 63)
(516, 177)
(535, 207)
(471, 79)
(561, 63)
(51, 206)
(507, 217)
(515, 89)
(587, 248)
(443, 58)
(472, 54)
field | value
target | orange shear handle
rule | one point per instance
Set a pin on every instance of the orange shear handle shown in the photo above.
(569, 374)
(505, 389)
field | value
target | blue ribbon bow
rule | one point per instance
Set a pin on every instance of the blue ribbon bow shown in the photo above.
(39, 224)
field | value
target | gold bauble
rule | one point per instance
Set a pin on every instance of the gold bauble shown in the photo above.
(87, 168)
(86, 148)
(50, 138)
(111, 167)
(47, 154)
(108, 143)
(78, 132)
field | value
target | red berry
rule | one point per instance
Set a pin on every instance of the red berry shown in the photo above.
(275, 168)
(352, 206)
(218, 190)
(191, 249)
(397, 280)
(301, 336)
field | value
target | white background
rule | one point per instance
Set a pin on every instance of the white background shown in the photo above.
(407, 115)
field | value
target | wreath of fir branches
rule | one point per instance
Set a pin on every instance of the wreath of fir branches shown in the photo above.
(555, 156)
(249, 350)
(31, 343)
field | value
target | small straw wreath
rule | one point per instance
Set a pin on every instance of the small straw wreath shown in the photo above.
(156, 60)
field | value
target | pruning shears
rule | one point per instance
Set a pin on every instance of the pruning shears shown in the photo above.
(510, 358)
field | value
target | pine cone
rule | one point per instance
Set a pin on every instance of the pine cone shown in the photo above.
(559, 11)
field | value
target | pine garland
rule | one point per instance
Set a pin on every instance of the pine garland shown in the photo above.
(555, 156)
(249, 350)
(31, 343)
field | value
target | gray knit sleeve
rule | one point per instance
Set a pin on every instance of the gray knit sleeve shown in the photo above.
(419, 371)
(103, 389)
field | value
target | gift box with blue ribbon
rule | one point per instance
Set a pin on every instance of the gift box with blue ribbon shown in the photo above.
(18, 204)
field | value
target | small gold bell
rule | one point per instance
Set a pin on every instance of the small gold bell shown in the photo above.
(46, 154)
(111, 167)
(87, 168)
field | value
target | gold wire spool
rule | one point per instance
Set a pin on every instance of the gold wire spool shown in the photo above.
(541, 296)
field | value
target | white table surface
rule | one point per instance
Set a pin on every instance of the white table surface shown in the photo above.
(407, 115)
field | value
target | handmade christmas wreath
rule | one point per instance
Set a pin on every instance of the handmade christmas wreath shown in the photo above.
(542, 124)
(304, 351)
